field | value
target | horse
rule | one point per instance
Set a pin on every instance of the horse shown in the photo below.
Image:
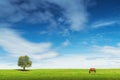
(92, 70)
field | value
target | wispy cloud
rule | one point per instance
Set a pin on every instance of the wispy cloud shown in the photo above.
(16, 46)
(75, 11)
(104, 23)
(55, 13)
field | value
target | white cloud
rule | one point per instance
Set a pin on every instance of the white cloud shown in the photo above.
(14, 44)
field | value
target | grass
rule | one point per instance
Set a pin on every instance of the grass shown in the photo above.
(60, 74)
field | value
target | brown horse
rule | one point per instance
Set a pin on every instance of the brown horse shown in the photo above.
(92, 70)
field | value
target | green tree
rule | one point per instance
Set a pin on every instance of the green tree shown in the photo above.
(24, 61)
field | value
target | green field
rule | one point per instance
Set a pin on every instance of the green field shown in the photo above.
(60, 74)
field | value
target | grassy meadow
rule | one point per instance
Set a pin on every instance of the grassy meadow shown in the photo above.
(60, 74)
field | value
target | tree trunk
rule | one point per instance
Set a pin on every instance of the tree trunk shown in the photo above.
(23, 68)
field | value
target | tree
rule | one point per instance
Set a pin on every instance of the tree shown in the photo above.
(24, 61)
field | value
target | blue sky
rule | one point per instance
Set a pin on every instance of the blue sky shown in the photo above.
(60, 34)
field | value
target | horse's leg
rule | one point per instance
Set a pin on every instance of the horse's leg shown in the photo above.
(95, 71)
(89, 71)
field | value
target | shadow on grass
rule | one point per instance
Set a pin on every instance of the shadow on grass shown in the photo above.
(22, 70)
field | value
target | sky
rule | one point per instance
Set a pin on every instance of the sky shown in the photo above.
(60, 33)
